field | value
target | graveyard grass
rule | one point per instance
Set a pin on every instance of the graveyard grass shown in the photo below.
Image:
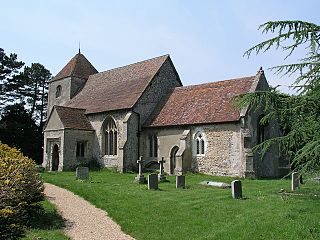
(201, 212)
(47, 225)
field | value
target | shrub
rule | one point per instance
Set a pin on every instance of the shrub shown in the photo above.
(20, 191)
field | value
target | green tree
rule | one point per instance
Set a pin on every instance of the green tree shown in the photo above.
(9, 68)
(35, 90)
(299, 115)
(17, 129)
(23, 104)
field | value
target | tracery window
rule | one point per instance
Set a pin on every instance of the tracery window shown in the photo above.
(58, 91)
(153, 145)
(200, 143)
(110, 137)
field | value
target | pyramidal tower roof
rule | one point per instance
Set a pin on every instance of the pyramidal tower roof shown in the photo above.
(78, 66)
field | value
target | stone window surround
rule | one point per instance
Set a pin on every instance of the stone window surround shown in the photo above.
(81, 149)
(153, 145)
(58, 91)
(110, 132)
(203, 143)
(261, 130)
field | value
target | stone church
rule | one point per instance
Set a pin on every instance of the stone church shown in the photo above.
(142, 109)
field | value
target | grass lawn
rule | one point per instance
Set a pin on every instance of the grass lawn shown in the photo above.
(201, 212)
(47, 226)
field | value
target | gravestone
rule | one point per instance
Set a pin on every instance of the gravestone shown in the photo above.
(161, 177)
(153, 181)
(294, 181)
(82, 173)
(215, 184)
(236, 189)
(180, 181)
(140, 178)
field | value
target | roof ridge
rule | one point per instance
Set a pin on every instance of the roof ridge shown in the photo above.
(116, 68)
(210, 83)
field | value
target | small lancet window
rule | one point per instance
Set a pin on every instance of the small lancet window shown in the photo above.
(58, 91)
(261, 130)
(81, 148)
(200, 144)
(153, 145)
(110, 137)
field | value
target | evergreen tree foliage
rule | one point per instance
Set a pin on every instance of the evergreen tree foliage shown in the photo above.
(299, 115)
(35, 90)
(9, 68)
(23, 104)
(18, 130)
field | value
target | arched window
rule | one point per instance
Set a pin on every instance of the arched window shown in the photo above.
(58, 91)
(153, 145)
(200, 144)
(110, 137)
(261, 130)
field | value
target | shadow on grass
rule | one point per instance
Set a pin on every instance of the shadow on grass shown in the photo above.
(46, 218)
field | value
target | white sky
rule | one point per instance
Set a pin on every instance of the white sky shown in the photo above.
(205, 39)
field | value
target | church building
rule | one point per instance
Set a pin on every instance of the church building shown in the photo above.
(142, 109)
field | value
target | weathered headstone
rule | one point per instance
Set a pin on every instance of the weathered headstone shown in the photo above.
(215, 184)
(140, 178)
(236, 189)
(180, 181)
(161, 177)
(294, 181)
(153, 181)
(82, 173)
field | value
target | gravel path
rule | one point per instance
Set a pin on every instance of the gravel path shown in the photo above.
(83, 220)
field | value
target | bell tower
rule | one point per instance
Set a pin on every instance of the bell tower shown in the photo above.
(69, 81)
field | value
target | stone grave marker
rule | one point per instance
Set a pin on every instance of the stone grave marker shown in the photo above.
(140, 178)
(153, 181)
(294, 181)
(180, 181)
(215, 184)
(236, 189)
(161, 177)
(82, 173)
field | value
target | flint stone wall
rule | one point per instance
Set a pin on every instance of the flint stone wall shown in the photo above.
(223, 153)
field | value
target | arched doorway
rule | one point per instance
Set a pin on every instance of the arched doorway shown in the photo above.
(55, 158)
(173, 153)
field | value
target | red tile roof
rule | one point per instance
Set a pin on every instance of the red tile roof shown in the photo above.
(119, 88)
(205, 103)
(78, 66)
(73, 118)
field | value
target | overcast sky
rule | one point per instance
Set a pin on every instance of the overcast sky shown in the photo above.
(205, 39)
